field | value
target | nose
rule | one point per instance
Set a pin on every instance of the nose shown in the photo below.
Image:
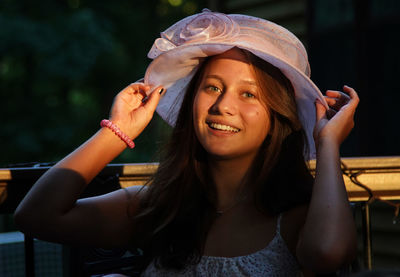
(225, 103)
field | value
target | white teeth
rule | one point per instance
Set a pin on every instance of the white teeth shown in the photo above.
(223, 127)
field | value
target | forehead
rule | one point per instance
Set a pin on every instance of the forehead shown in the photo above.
(233, 54)
(232, 62)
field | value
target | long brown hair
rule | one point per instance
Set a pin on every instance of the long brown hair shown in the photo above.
(178, 207)
(279, 173)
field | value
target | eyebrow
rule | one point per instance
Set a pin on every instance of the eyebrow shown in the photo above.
(248, 82)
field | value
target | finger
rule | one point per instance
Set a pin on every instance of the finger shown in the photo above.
(320, 110)
(154, 98)
(141, 91)
(354, 99)
(334, 104)
(337, 94)
(331, 101)
(333, 93)
(137, 88)
(336, 100)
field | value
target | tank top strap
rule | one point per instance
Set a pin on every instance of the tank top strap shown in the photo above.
(278, 224)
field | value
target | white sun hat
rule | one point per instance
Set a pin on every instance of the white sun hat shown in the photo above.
(181, 48)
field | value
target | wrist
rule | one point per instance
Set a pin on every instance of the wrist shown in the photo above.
(111, 139)
(327, 140)
(105, 123)
(125, 125)
(324, 143)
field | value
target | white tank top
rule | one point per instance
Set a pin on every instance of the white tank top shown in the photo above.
(273, 260)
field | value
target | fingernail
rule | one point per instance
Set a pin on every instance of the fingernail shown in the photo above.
(161, 90)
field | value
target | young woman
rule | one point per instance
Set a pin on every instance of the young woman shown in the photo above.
(232, 195)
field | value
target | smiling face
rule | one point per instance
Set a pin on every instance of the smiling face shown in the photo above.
(230, 119)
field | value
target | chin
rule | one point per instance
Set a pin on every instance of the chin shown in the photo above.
(225, 155)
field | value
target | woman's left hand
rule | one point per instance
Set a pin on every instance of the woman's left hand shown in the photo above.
(337, 122)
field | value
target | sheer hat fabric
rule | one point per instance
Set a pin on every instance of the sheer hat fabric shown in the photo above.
(181, 48)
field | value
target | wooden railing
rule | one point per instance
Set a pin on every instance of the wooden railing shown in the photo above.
(367, 179)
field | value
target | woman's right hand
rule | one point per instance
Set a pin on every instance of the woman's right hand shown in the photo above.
(134, 107)
(51, 211)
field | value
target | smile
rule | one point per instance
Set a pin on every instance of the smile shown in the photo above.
(222, 127)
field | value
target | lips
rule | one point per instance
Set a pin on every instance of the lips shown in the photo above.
(222, 127)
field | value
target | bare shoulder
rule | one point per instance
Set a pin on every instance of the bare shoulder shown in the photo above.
(136, 191)
(291, 225)
(134, 195)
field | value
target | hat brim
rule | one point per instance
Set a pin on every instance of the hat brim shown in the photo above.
(175, 68)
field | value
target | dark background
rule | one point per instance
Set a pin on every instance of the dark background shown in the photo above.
(62, 62)
(357, 43)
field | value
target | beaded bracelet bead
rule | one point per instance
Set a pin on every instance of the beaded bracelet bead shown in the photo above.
(124, 137)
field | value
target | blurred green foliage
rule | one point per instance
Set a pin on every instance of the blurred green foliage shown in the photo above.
(61, 64)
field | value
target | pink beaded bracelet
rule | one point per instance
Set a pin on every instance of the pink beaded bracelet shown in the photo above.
(107, 123)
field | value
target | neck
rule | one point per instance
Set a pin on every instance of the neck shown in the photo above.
(228, 177)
